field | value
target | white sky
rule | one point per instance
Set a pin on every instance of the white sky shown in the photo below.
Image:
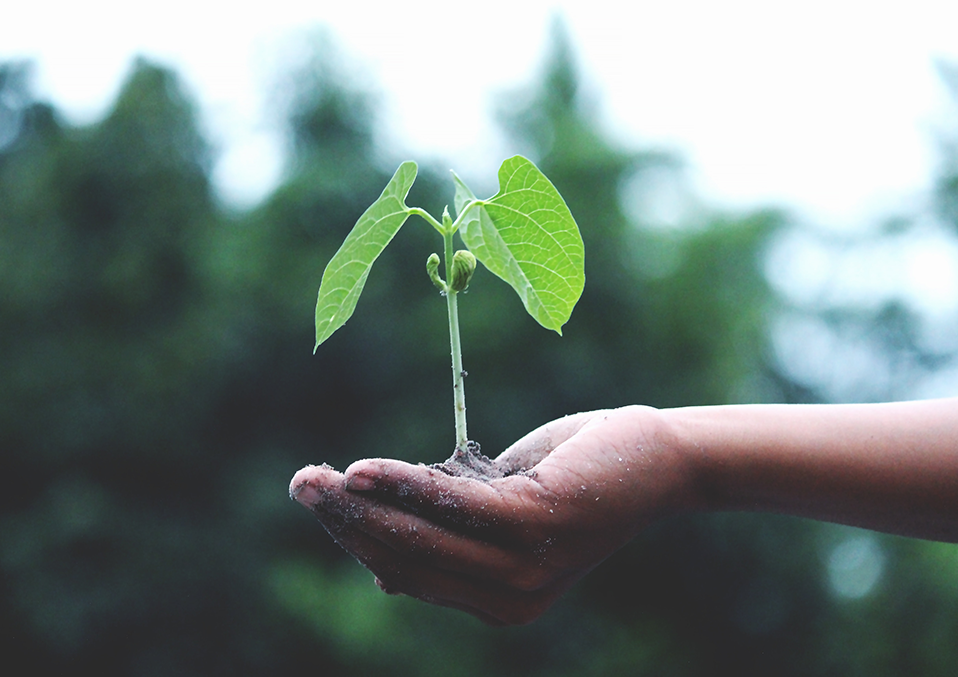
(829, 107)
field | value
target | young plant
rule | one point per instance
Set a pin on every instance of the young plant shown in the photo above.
(525, 234)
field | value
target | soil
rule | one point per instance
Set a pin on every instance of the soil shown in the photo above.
(472, 463)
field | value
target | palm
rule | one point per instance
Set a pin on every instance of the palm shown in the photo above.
(504, 550)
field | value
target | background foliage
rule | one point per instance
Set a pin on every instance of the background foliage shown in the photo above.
(159, 391)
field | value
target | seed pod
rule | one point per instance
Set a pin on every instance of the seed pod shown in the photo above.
(463, 266)
(432, 267)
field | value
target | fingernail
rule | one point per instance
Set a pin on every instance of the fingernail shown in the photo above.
(360, 483)
(305, 494)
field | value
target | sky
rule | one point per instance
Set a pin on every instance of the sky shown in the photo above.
(829, 108)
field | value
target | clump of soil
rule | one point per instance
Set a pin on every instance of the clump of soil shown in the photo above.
(472, 463)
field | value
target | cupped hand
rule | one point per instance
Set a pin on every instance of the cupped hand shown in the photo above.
(576, 490)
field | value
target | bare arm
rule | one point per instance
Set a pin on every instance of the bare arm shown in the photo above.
(890, 467)
(505, 550)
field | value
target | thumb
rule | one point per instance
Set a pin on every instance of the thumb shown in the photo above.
(532, 448)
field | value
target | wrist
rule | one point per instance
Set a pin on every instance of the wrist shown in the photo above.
(663, 445)
(689, 433)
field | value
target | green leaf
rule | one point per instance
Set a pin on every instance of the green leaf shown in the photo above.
(526, 235)
(346, 273)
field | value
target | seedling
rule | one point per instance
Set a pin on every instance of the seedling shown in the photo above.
(525, 234)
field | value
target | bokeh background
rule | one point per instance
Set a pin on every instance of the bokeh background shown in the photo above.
(159, 391)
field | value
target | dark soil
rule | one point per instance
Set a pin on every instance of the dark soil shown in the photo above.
(472, 463)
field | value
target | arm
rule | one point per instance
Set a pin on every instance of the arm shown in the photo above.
(890, 467)
(505, 550)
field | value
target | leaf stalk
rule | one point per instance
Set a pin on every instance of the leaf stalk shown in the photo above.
(427, 217)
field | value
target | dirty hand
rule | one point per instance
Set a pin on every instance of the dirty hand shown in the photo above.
(576, 490)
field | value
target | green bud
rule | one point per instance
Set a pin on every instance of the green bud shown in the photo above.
(432, 267)
(446, 219)
(463, 266)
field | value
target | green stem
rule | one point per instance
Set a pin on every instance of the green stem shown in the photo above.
(458, 382)
(427, 217)
(465, 210)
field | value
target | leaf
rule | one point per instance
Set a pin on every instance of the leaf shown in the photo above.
(345, 274)
(526, 235)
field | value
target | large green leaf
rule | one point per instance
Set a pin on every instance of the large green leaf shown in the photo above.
(346, 273)
(526, 235)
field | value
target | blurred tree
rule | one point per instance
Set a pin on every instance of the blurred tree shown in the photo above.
(947, 184)
(119, 550)
(160, 392)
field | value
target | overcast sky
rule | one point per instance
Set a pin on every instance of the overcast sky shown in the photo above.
(829, 107)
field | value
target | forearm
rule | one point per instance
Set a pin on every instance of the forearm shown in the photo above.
(890, 467)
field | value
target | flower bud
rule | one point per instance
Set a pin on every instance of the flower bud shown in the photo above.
(463, 266)
(432, 267)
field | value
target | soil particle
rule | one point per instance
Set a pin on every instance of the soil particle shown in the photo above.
(471, 463)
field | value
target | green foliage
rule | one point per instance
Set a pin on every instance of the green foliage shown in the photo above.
(345, 275)
(526, 235)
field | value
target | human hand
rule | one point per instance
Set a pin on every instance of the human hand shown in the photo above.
(576, 490)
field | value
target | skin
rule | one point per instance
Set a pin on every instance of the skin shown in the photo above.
(505, 550)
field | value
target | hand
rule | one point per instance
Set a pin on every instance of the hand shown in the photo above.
(504, 550)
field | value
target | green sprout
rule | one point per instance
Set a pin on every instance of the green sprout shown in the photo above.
(524, 234)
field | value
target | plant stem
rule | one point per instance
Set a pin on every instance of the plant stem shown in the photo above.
(458, 381)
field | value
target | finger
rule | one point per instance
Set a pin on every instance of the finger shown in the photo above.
(427, 491)
(366, 549)
(468, 505)
(489, 601)
(345, 514)
(310, 482)
(321, 490)
(517, 565)
(529, 450)
(416, 538)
